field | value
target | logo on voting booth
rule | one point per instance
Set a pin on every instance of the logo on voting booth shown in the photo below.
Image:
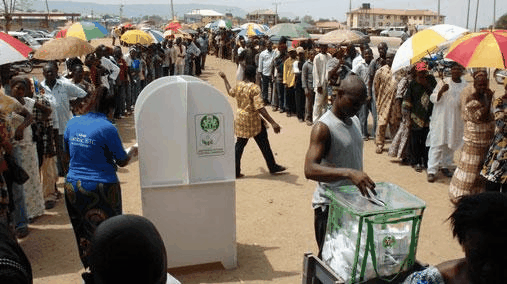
(210, 136)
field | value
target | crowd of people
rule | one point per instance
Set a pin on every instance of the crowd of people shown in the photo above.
(63, 126)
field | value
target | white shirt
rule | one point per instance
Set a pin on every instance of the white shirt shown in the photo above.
(63, 92)
(362, 70)
(357, 60)
(446, 124)
(319, 69)
(266, 62)
(113, 69)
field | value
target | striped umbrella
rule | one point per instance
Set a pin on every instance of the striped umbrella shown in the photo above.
(12, 50)
(87, 30)
(423, 43)
(482, 49)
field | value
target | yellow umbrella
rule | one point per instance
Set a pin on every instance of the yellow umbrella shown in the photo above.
(61, 48)
(136, 36)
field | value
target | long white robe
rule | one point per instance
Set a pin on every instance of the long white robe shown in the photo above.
(446, 124)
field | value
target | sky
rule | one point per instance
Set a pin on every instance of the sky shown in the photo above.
(454, 10)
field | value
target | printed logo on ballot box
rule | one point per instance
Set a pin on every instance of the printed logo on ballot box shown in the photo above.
(210, 136)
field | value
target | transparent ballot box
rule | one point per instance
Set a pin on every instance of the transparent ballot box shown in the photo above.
(372, 237)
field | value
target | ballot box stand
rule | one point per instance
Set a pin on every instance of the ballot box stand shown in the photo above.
(185, 132)
(381, 235)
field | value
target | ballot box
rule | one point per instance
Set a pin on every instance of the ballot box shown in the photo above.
(370, 238)
(184, 128)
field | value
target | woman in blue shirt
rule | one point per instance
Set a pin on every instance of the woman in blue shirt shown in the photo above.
(92, 189)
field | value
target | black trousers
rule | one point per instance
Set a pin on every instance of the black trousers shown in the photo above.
(320, 224)
(496, 186)
(266, 84)
(290, 100)
(300, 103)
(418, 146)
(262, 141)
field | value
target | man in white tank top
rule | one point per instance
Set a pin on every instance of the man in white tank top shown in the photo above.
(335, 155)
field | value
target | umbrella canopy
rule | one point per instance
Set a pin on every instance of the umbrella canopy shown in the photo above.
(61, 48)
(87, 30)
(61, 33)
(136, 36)
(250, 31)
(156, 35)
(221, 24)
(483, 49)
(254, 26)
(342, 37)
(12, 50)
(169, 33)
(173, 26)
(423, 43)
(126, 25)
(288, 30)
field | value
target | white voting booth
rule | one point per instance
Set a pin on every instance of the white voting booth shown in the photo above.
(185, 132)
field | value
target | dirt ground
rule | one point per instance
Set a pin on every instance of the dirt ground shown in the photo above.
(274, 217)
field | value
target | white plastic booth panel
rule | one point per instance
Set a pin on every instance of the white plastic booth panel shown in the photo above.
(185, 132)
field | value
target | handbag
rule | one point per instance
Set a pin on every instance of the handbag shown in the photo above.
(18, 174)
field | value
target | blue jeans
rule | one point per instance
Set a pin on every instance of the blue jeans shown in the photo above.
(363, 117)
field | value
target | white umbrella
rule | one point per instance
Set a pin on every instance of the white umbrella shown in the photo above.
(12, 50)
(424, 42)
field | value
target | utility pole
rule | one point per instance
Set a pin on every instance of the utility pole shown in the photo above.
(468, 12)
(276, 3)
(172, 11)
(438, 17)
(476, 16)
(494, 13)
(121, 10)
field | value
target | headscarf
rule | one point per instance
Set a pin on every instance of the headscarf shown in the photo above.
(421, 66)
(14, 265)
(128, 249)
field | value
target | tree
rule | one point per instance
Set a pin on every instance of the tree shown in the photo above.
(308, 19)
(9, 8)
(502, 22)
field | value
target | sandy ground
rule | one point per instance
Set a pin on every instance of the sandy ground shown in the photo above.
(274, 217)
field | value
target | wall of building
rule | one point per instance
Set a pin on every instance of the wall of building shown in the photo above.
(363, 19)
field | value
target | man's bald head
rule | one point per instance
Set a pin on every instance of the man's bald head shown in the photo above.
(351, 96)
(353, 85)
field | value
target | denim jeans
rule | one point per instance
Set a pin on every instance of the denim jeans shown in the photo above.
(266, 84)
(363, 117)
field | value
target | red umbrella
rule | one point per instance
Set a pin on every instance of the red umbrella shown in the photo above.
(12, 50)
(61, 33)
(173, 26)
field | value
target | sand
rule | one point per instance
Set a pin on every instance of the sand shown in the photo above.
(274, 217)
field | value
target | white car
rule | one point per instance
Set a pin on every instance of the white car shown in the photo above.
(26, 39)
(393, 32)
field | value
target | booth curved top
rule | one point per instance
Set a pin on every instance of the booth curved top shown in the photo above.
(184, 128)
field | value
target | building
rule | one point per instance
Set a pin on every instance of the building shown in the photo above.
(266, 17)
(37, 21)
(197, 16)
(324, 27)
(378, 18)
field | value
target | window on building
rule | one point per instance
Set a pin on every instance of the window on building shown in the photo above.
(380, 24)
(420, 18)
(388, 17)
(381, 16)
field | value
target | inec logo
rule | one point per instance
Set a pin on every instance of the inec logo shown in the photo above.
(388, 241)
(210, 123)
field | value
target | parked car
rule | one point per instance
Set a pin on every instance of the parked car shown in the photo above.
(26, 39)
(500, 75)
(393, 31)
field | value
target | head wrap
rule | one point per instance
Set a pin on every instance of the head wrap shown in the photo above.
(128, 249)
(421, 66)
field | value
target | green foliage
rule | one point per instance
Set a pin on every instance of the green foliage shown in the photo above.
(502, 22)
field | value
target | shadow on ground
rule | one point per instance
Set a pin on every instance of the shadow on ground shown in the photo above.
(253, 265)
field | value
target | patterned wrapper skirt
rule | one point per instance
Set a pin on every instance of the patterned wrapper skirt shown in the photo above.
(89, 203)
(467, 179)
